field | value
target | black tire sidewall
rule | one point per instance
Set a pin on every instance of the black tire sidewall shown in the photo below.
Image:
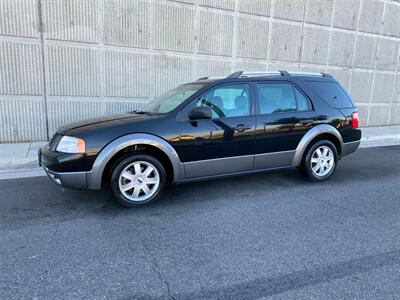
(120, 166)
(307, 166)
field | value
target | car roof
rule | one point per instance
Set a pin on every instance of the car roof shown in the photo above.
(266, 75)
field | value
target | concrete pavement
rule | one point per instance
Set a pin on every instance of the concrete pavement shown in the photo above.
(265, 236)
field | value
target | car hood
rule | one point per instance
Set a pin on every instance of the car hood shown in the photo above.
(101, 122)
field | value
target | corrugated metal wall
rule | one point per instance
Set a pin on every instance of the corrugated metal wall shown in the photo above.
(64, 60)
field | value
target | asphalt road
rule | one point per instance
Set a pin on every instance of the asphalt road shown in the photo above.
(271, 235)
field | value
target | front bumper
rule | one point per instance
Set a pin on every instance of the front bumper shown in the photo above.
(72, 180)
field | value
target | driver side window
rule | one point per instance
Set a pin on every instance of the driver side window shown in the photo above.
(227, 101)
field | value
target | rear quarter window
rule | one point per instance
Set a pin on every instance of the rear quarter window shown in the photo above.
(331, 92)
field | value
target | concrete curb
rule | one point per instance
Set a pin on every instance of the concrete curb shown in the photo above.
(381, 138)
(23, 173)
(380, 143)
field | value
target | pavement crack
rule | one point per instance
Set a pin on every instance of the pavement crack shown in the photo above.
(156, 267)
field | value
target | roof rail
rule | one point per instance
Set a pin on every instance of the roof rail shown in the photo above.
(211, 77)
(241, 74)
(306, 74)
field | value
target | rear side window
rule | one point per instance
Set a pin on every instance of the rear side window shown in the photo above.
(280, 97)
(331, 92)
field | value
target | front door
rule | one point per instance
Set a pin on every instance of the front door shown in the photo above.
(225, 143)
(285, 114)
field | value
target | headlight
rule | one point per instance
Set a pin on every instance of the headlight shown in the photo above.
(69, 144)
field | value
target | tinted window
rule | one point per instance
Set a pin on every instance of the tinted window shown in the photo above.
(302, 103)
(279, 97)
(227, 101)
(331, 93)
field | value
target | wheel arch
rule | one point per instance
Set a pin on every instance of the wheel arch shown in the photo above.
(319, 132)
(120, 147)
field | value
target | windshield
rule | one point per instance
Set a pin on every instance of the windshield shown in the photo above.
(171, 99)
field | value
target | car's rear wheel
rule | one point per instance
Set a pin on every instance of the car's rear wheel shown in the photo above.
(138, 179)
(320, 161)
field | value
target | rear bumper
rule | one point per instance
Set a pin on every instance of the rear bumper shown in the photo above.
(348, 148)
(71, 180)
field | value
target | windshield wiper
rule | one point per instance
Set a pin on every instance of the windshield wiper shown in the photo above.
(141, 112)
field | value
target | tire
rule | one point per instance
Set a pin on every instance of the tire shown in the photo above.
(137, 180)
(320, 161)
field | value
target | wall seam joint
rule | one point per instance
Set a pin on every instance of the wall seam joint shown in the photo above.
(44, 81)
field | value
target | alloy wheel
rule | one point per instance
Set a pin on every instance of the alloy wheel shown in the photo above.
(139, 181)
(322, 161)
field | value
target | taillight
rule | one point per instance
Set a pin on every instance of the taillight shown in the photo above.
(354, 120)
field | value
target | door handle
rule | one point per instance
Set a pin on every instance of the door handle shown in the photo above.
(242, 127)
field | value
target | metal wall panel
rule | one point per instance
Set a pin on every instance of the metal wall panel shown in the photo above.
(371, 16)
(286, 42)
(256, 7)
(391, 20)
(252, 38)
(289, 9)
(127, 74)
(72, 71)
(383, 88)
(365, 55)
(314, 45)
(361, 86)
(126, 23)
(170, 71)
(222, 4)
(22, 119)
(215, 33)
(341, 52)
(20, 69)
(346, 14)
(319, 12)
(70, 20)
(388, 54)
(79, 59)
(19, 18)
(168, 28)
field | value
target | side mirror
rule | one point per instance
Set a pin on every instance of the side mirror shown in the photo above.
(200, 113)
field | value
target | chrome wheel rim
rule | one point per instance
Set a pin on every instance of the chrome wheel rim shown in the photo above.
(139, 181)
(322, 161)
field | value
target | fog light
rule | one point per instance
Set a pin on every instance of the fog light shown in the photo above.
(55, 179)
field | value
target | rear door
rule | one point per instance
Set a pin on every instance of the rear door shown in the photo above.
(284, 115)
(224, 144)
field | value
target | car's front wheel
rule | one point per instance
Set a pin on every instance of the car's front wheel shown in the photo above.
(138, 179)
(320, 161)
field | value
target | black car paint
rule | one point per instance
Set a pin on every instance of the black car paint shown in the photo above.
(207, 139)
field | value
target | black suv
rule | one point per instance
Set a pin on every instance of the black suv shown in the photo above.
(244, 123)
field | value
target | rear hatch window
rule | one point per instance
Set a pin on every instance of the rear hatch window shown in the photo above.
(331, 92)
